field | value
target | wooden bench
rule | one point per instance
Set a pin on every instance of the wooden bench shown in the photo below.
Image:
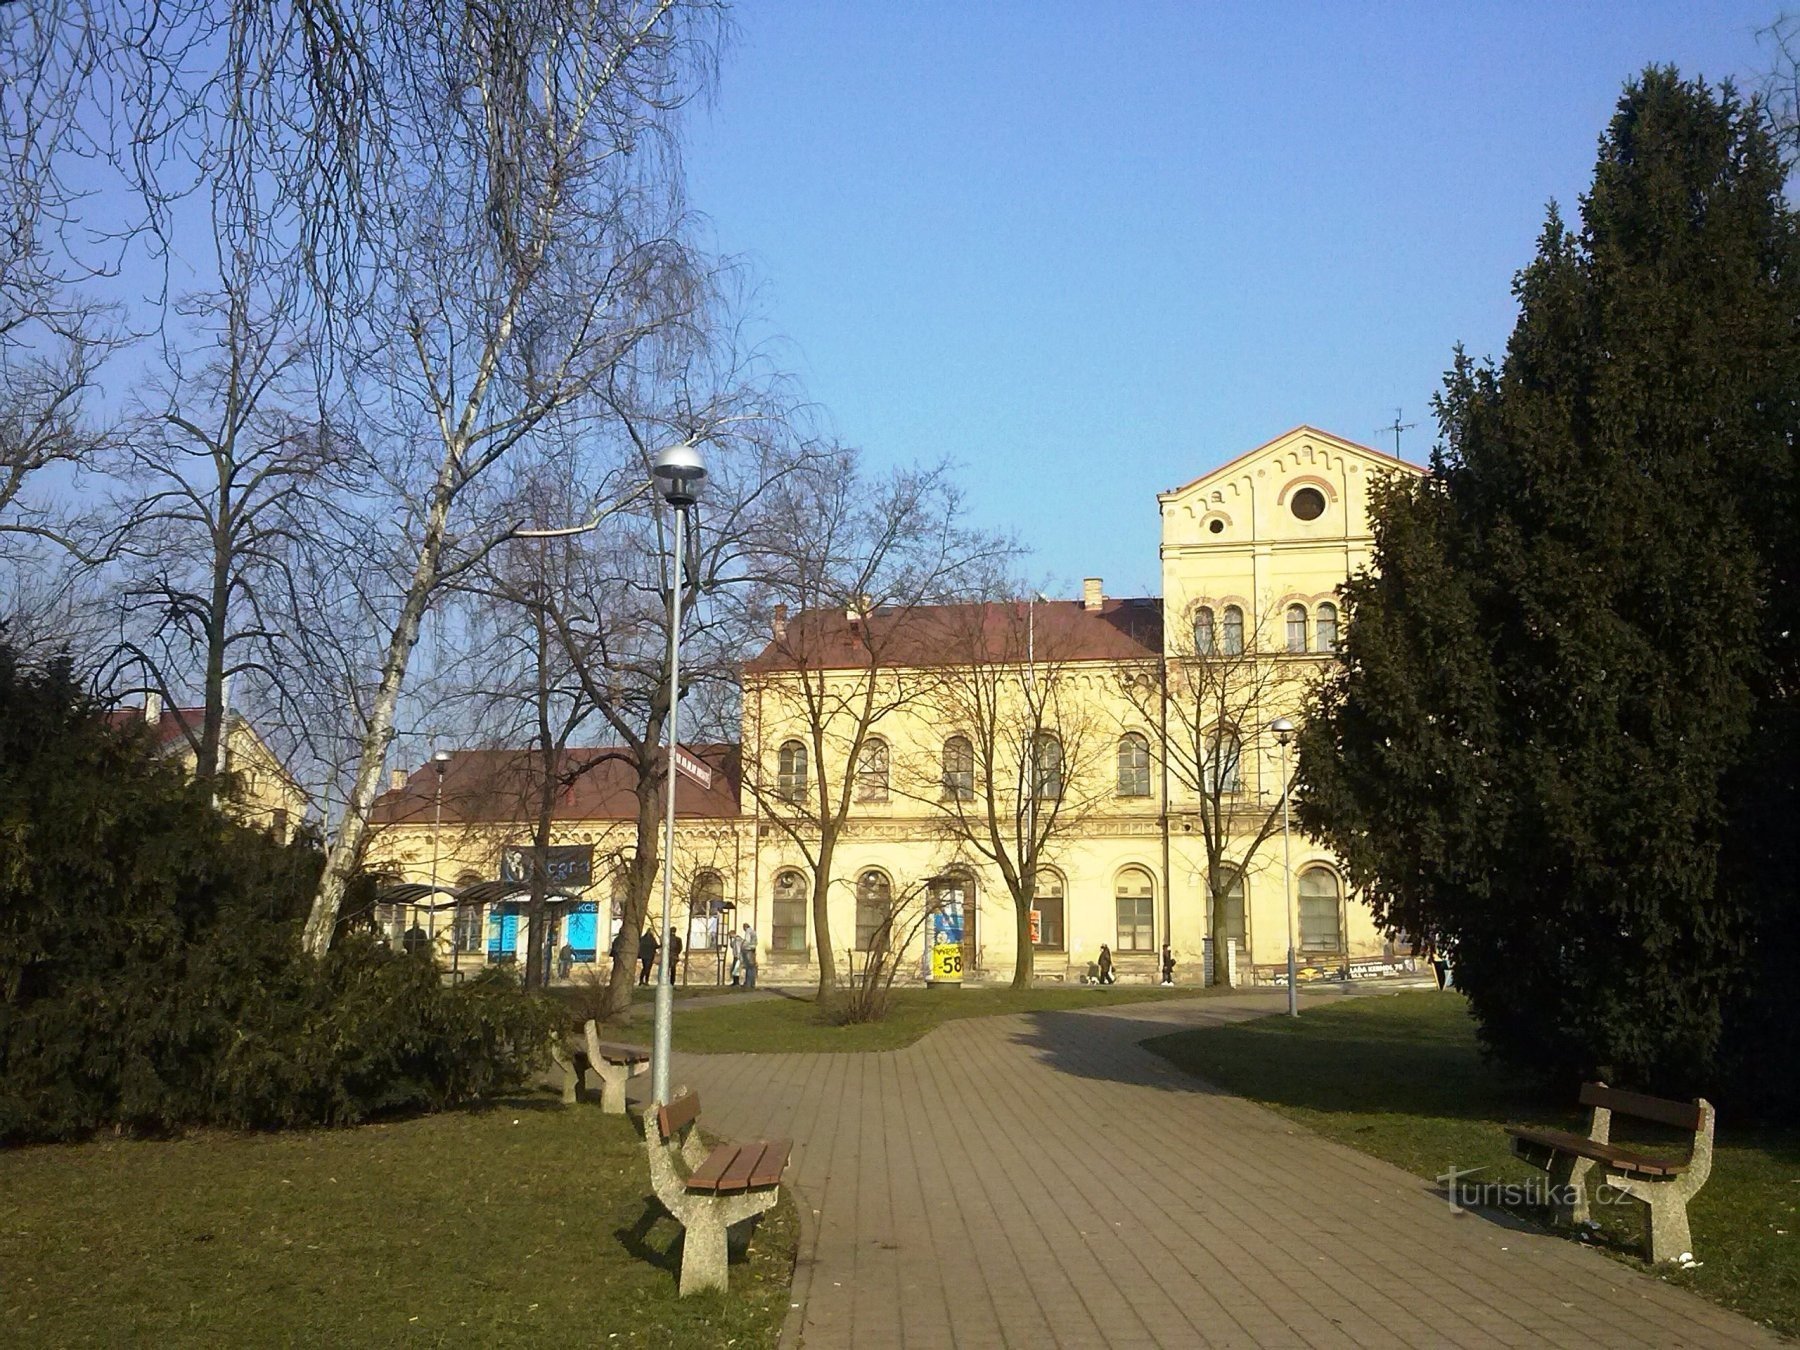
(615, 1065)
(715, 1194)
(1661, 1183)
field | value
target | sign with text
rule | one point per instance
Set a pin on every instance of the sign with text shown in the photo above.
(946, 962)
(690, 766)
(568, 867)
(946, 941)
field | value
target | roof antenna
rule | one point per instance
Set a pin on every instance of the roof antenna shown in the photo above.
(1397, 428)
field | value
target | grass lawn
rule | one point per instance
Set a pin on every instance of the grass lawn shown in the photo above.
(1401, 1078)
(792, 1023)
(524, 1223)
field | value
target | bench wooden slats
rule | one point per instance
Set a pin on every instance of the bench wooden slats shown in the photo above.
(736, 1176)
(709, 1176)
(1681, 1115)
(684, 1110)
(1613, 1155)
(774, 1161)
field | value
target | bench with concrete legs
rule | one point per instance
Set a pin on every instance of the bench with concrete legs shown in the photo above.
(1662, 1184)
(613, 1063)
(715, 1194)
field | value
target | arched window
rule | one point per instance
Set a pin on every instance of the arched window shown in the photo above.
(1206, 641)
(1319, 910)
(1325, 619)
(1232, 905)
(1224, 756)
(787, 929)
(468, 918)
(1047, 913)
(1233, 644)
(706, 911)
(959, 769)
(1296, 628)
(1047, 767)
(790, 783)
(874, 908)
(872, 771)
(1135, 895)
(1134, 765)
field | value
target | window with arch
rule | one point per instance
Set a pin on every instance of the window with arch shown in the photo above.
(1320, 930)
(1325, 627)
(1206, 640)
(790, 780)
(1232, 905)
(1233, 641)
(469, 924)
(872, 771)
(1047, 766)
(1224, 758)
(1047, 913)
(959, 769)
(706, 911)
(1134, 765)
(787, 924)
(1134, 894)
(1296, 628)
(874, 907)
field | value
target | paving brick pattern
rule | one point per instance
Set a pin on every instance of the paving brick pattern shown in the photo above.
(1041, 1180)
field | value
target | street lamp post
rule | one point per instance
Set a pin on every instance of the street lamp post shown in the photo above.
(438, 761)
(678, 473)
(1284, 733)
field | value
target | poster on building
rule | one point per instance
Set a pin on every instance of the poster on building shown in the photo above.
(567, 867)
(946, 945)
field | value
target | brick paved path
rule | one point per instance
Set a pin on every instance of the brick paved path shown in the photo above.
(1041, 1180)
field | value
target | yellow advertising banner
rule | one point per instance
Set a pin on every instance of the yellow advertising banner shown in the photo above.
(946, 961)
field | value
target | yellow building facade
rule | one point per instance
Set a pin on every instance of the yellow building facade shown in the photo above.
(1125, 741)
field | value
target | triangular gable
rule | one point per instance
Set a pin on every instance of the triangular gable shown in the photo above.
(1304, 444)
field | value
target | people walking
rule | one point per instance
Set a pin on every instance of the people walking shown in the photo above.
(1168, 964)
(1106, 965)
(647, 949)
(747, 956)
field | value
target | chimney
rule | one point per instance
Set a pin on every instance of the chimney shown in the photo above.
(396, 779)
(152, 709)
(1092, 597)
(780, 622)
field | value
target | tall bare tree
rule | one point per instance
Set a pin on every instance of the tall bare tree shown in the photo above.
(530, 242)
(1022, 768)
(853, 560)
(1228, 675)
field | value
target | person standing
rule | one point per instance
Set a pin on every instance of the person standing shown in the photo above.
(621, 949)
(647, 948)
(1106, 970)
(1168, 964)
(565, 961)
(747, 956)
(673, 964)
(737, 958)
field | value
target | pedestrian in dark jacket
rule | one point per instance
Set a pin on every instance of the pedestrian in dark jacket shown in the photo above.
(674, 955)
(647, 946)
(1106, 970)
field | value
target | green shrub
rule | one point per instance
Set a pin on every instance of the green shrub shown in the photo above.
(151, 976)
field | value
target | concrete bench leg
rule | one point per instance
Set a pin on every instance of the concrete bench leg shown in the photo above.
(705, 1251)
(571, 1090)
(1568, 1188)
(613, 1081)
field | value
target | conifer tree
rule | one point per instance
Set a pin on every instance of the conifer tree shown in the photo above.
(1553, 672)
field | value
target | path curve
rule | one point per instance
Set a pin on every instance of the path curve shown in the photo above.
(1042, 1180)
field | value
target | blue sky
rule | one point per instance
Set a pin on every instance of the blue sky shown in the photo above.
(1091, 250)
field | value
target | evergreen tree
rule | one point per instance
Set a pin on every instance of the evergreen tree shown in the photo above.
(1553, 677)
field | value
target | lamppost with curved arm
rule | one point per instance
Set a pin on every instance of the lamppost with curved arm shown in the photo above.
(678, 473)
(1284, 734)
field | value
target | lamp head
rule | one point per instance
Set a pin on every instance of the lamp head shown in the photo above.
(679, 472)
(1283, 729)
(440, 761)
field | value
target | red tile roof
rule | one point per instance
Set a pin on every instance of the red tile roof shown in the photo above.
(170, 727)
(939, 635)
(499, 785)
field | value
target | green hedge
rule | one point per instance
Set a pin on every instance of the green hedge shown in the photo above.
(151, 976)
